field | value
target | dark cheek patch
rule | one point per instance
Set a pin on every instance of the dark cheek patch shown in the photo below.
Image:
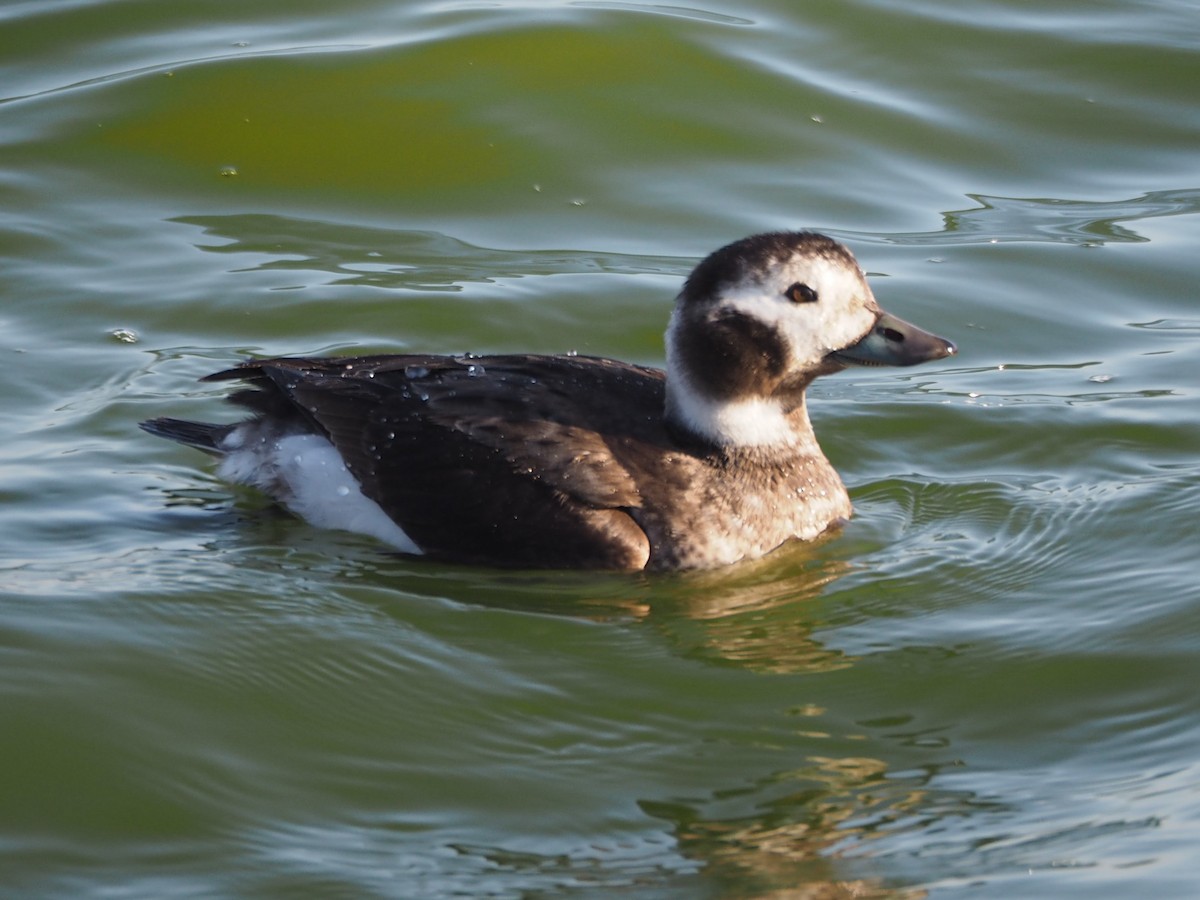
(732, 354)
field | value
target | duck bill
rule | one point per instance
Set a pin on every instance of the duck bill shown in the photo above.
(894, 342)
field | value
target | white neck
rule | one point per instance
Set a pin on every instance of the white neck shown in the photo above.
(743, 422)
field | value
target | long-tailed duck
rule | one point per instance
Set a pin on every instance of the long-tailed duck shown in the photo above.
(577, 461)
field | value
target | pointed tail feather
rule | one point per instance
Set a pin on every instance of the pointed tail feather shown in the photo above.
(201, 435)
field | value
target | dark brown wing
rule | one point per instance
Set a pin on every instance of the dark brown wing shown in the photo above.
(501, 459)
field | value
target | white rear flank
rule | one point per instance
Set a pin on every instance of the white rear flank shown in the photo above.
(307, 475)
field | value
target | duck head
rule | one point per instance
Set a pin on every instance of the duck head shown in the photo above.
(759, 319)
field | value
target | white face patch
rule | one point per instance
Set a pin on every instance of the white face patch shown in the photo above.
(844, 311)
(306, 474)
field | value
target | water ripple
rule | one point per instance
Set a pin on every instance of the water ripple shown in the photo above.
(407, 260)
(1045, 220)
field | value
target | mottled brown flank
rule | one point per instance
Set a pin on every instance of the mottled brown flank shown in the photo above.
(744, 259)
(742, 505)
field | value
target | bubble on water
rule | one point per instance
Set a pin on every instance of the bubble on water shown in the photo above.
(474, 371)
(228, 171)
(1101, 379)
(343, 490)
(125, 335)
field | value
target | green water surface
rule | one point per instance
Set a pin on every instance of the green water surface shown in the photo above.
(985, 686)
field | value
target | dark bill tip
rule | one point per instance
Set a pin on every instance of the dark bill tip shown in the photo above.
(894, 342)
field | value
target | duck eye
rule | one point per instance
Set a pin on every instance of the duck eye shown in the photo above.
(801, 293)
